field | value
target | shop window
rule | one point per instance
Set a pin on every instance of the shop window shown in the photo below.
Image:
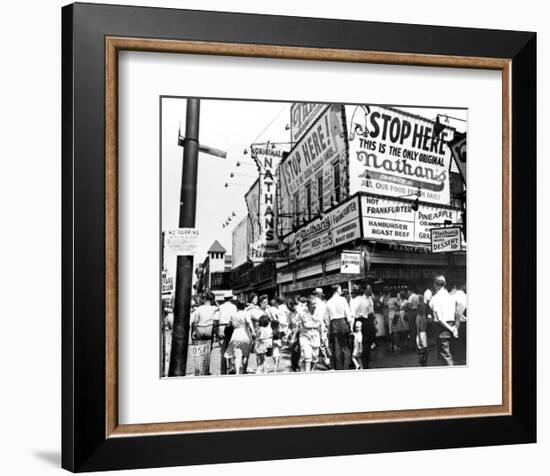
(336, 179)
(320, 193)
(308, 200)
(296, 206)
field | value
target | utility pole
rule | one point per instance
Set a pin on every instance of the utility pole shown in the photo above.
(188, 209)
(184, 267)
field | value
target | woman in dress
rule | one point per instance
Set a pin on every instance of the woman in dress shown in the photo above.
(243, 335)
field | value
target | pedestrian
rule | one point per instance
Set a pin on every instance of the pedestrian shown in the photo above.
(322, 311)
(273, 314)
(403, 333)
(385, 305)
(264, 342)
(422, 319)
(443, 306)
(340, 322)
(461, 322)
(294, 336)
(410, 316)
(357, 337)
(253, 309)
(362, 304)
(370, 340)
(240, 344)
(223, 328)
(203, 322)
(394, 323)
(310, 326)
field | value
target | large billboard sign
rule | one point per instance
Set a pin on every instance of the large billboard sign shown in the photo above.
(313, 156)
(396, 154)
(389, 220)
(302, 116)
(337, 227)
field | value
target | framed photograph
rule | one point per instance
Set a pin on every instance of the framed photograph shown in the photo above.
(293, 237)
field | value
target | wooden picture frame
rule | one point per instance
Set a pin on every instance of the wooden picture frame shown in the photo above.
(93, 35)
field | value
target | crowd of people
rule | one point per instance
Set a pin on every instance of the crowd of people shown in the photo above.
(336, 332)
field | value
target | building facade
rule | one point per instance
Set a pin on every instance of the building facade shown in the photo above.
(214, 273)
(373, 179)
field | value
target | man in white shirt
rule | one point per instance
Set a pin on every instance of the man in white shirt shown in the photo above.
(443, 306)
(227, 312)
(340, 322)
(363, 304)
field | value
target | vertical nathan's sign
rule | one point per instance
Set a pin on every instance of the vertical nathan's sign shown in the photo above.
(394, 153)
(266, 245)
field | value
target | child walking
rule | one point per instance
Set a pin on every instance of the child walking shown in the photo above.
(356, 356)
(264, 342)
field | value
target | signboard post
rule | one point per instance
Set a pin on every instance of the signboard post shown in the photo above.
(350, 262)
(446, 240)
(182, 241)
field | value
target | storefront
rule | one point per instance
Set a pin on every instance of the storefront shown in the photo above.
(394, 240)
(248, 279)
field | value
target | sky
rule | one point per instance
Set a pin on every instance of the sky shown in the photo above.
(230, 126)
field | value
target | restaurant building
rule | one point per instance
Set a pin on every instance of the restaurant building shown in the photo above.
(372, 179)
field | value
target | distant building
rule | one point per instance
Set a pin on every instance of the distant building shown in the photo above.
(214, 273)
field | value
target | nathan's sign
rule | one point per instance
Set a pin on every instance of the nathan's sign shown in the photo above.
(302, 116)
(396, 154)
(266, 245)
(335, 228)
(395, 221)
(446, 240)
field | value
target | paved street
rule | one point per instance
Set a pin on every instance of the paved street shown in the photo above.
(382, 357)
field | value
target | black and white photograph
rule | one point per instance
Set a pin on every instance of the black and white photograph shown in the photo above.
(311, 237)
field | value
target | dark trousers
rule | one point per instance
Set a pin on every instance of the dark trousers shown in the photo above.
(339, 338)
(223, 362)
(459, 345)
(295, 352)
(411, 320)
(444, 346)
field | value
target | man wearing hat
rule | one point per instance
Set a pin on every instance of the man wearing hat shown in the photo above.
(228, 311)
